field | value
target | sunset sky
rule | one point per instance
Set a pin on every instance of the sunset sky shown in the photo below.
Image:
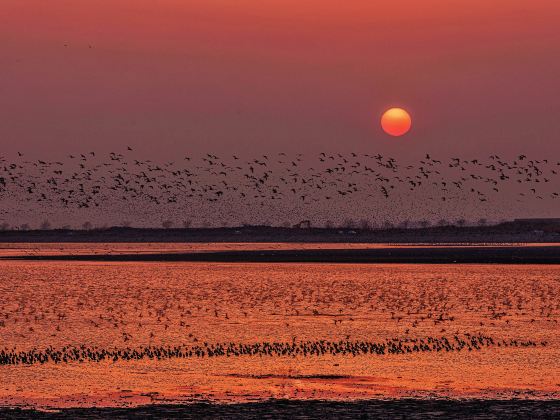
(251, 76)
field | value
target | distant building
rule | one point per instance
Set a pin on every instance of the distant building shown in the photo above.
(304, 224)
(541, 225)
(538, 221)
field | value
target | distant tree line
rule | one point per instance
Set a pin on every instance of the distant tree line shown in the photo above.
(361, 224)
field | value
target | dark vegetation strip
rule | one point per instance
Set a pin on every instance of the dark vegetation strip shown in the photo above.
(507, 232)
(68, 354)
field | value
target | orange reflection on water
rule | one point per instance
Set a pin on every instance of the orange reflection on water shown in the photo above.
(135, 305)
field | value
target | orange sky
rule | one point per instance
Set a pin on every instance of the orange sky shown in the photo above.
(170, 76)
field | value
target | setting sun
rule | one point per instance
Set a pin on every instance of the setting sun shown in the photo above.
(396, 122)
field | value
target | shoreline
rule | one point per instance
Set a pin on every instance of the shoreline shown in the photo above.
(406, 255)
(393, 408)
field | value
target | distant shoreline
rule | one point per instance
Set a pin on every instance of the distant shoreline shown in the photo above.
(509, 232)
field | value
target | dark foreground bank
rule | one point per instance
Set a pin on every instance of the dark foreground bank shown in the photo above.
(374, 409)
(399, 255)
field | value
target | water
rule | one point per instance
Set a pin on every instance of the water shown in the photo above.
(513, 311)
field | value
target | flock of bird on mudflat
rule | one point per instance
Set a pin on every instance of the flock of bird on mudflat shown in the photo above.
(90, 180)
(140, 320)
(317, 348)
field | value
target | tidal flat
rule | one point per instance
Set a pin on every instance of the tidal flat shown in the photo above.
(206, 338)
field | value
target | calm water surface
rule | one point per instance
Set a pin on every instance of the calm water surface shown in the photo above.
(119, 308)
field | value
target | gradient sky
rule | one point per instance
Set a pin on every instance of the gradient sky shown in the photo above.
(255, 76)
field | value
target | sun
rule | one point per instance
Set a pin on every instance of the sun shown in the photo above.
(396, 122)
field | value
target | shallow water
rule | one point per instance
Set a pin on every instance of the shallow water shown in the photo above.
(117, 248)
(115, 306)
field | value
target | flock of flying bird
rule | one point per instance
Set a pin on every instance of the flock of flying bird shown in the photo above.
(91, 181)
